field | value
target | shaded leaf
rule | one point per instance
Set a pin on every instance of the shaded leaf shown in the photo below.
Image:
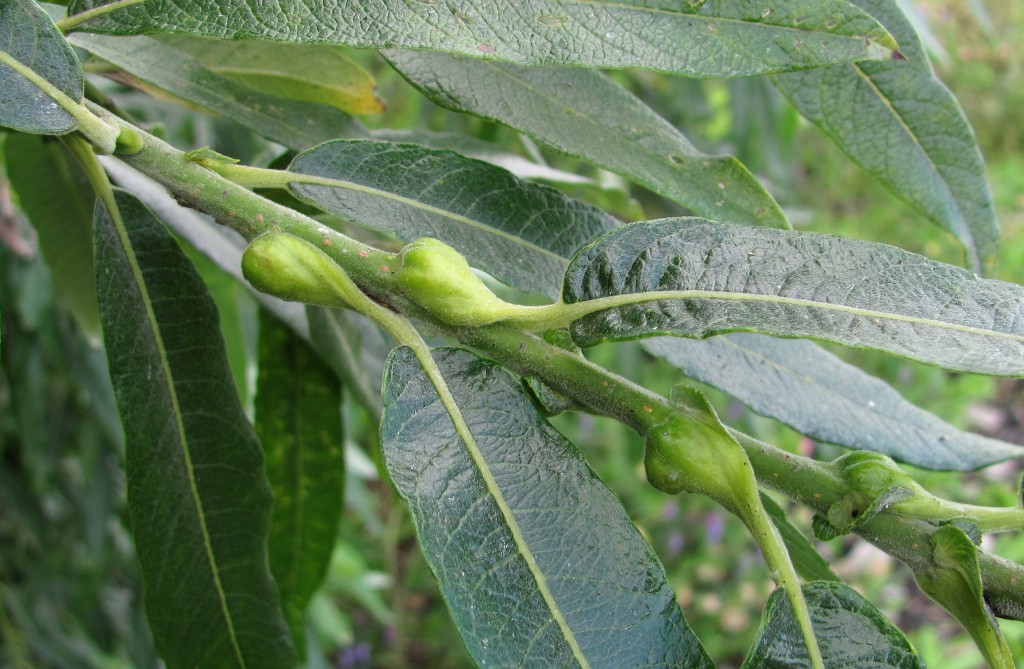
(807, 561)
(197, 491)
(519, 232)
(851, 633)
(899, 122)
(821, 396)
(28, 36)
(696, 279)
(711, 39)
(354, 348)
(538, 562)
(586, 114)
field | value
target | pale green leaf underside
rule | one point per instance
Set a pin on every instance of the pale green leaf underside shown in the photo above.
(610, 590)
(197, 491)
(898, 121)
(522, 233)
(27, 35)
(821, 396)
(586, 114)
(696, 279)
(715, 38)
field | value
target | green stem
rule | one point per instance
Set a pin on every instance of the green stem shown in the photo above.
(69, 23)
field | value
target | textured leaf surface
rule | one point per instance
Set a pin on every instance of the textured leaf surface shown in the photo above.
(559, 577)
(586, 114)
(715, 38)
(197, 491)
(821, 396)
(520, 232)
(851, 633)
(292, 123)
(696, 279)
(898, 121)
(28, 36)
(298, 422)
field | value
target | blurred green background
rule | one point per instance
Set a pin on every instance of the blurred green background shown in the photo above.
(68, 582)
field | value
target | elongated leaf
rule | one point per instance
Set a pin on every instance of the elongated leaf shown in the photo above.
(851, 633)
(292, 123)
(28, 36)
(712, 39)
(518, 231)
(807, 561)
(695, 279)
(298, 422)
(898, 121)
(821, 396)
(586, 114)
(197, 491)
(537, 560)
(56, 196)
(354, 349)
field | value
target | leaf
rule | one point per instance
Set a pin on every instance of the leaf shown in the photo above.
(354, 349)
(586, 114)
(292, 123)
(850, 631)
(899, 122)
(298, 422)
(197, 492)
(28, 36)
(711, 39)
(819, 395)
(519, 232)
(807, 561)
(56, 196)
(695, 279)
(537, 560)
(315, 73)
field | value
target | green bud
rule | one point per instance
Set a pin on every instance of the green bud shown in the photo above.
(285, 266)
(874, 473)
(438, 278)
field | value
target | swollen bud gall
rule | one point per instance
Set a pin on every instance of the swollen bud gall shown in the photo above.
(285, 266)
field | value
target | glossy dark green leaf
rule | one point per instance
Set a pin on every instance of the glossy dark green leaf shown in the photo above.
(197, 491)
(898, 121)
(823, 397)
(851, 633)
(807, 561)
(298, 422)
(28, 36)
(712, 39)
(292, 123)
(692, 278)
(586, 114)
(519, 232)
(538, 562)
(58, 200)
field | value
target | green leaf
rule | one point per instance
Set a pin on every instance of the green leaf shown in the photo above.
(807, 561)
(850, 631)
(899, 122)
(295, 124)
(28, 36)
(692, 278)
(197, 492)
(298, 421)
(56, 196)
(354, 349)
(829, 400)
(586, 114)
(537, 560)
(711, 39)
(521, 233)
(953, 579)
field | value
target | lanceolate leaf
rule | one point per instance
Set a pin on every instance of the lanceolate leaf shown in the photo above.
(898, 121)
(28, 36)
(692, 278)
(850, 631)
(197, 491)
(821, 396)
(354, 349)
(520, 232)
(712, 39)
(292, 123)
(298, 422)
(538, 562)
(807, 561)
(586, 114)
